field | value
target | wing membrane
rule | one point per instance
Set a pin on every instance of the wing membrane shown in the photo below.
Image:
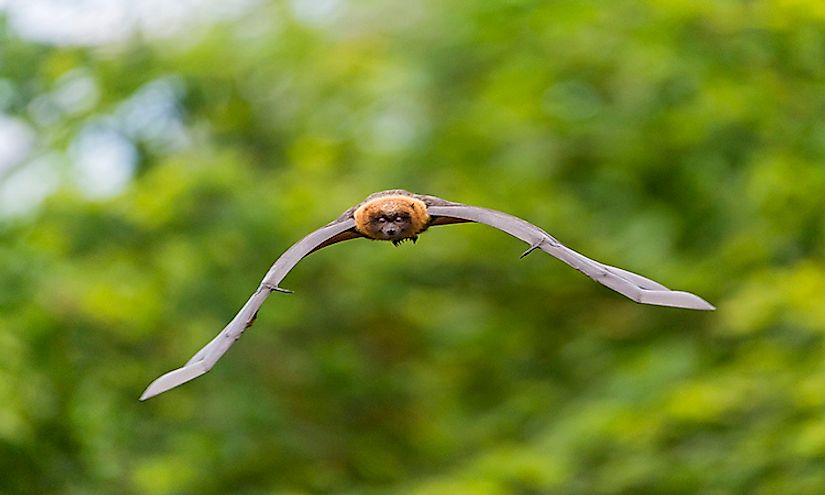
(634, 286)
(206, 358)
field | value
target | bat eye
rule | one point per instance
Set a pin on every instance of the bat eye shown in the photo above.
(399, 219)
(382, 220)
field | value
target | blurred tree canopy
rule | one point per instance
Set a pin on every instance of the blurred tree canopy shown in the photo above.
(154, 178)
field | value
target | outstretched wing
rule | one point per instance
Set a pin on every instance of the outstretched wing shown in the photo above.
(205, 358)
(636, 287)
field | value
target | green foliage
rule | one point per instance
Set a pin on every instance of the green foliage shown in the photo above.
(683, 140)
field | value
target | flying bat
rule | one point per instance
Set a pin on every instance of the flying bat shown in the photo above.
(397, 216)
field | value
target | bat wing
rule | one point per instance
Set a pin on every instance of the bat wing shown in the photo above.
(205, 358)
(631, 285)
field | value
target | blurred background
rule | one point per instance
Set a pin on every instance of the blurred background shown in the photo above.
(156, 157)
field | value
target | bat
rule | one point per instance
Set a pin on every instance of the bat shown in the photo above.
(397, 216)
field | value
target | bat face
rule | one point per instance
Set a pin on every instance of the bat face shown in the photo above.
(391, 227)
(392, 218)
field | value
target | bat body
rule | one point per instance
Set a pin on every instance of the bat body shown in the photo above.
(396, 216)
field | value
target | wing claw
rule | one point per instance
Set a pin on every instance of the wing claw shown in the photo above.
(275, 288)
(532, 248)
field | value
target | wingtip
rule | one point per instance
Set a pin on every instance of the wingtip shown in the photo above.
(676, 299)
(147, 394)
(708, 307)
(171, 380)
(151, 391)
(699, 304)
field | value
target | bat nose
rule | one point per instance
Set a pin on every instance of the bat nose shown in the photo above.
(391, 231)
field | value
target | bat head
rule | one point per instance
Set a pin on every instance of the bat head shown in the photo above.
(392, 217)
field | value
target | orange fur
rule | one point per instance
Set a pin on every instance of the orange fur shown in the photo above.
(391, 205)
